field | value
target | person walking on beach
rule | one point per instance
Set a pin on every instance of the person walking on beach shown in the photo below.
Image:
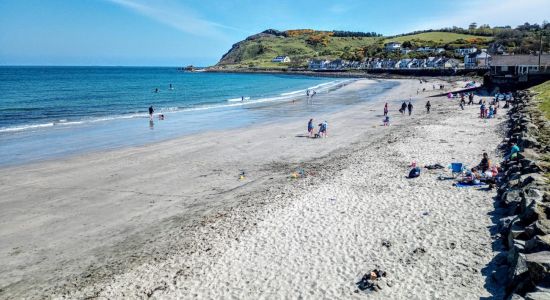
(151, 111)
(403, 107)
(482, 110)
(310, 127)
(428, 105)
(386, 109)
(471, 99)
(410, 108)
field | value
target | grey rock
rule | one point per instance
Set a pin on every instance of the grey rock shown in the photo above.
(537, 296)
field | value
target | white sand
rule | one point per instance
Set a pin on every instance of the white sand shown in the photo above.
(190, 229)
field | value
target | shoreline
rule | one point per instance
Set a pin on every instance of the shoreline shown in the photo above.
(377, 74)
(119, 131)
(166, 210)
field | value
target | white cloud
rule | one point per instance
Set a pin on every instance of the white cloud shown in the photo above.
(177, 17)
(492, 12)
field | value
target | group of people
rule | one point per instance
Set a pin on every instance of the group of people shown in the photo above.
(170, 87)
(404, 107)
(322, 132)
(310, 93)
(463, 101)
(485, 171)
(151, 111)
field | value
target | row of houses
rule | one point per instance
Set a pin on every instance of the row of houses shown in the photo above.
(385, 63)
(395, 46)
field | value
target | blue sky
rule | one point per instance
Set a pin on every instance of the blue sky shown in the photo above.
(182, 32)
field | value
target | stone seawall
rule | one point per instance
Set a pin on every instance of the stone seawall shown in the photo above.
(524, 199)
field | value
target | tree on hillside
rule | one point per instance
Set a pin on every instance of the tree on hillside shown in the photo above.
(472, 26)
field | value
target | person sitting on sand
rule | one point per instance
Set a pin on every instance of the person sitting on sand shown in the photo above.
(310, 127)
(387, 121)
(386, 109)
(484, 165)
(428, 106)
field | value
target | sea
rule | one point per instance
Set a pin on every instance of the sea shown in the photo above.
(52, 112)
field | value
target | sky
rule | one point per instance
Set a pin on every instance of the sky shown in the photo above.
(199, 32)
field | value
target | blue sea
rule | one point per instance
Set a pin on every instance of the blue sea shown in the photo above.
(50, 112)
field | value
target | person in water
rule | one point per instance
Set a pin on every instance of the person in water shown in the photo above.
(156, 90)
(151, 111)
(410, 108)
(428, 106)
(171, 86)
(386, 109)
(310, 127)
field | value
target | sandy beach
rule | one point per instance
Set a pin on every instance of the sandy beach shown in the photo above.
(173, 219)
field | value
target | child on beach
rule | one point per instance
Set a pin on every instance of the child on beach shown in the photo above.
(387, 121)
(428, 106)
(310, 127)
(323, 129)
(386, 109)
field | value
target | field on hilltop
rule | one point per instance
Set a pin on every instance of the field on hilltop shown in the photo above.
(438, 37)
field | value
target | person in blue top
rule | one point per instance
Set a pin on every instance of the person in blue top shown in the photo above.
(323, 129)
(514, 150)
(310, 127)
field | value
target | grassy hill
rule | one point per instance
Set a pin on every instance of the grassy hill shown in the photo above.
(544, 97)
(438, 37)
(301, 45)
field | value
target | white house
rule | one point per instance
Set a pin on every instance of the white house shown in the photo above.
(451, 63)
(403, 64)
(465, 51)
(392, 46)
(318, 64)
(477, 59)
(483, 59)
(405, 51)
(281, 59)
(425, 50)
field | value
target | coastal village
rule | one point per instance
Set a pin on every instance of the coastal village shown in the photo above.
(472, 58)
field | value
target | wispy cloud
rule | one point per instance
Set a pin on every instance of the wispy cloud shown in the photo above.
(492, 12)
(177, 17)
(338, 8)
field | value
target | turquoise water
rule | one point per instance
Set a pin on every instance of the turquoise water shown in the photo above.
(49, 112)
